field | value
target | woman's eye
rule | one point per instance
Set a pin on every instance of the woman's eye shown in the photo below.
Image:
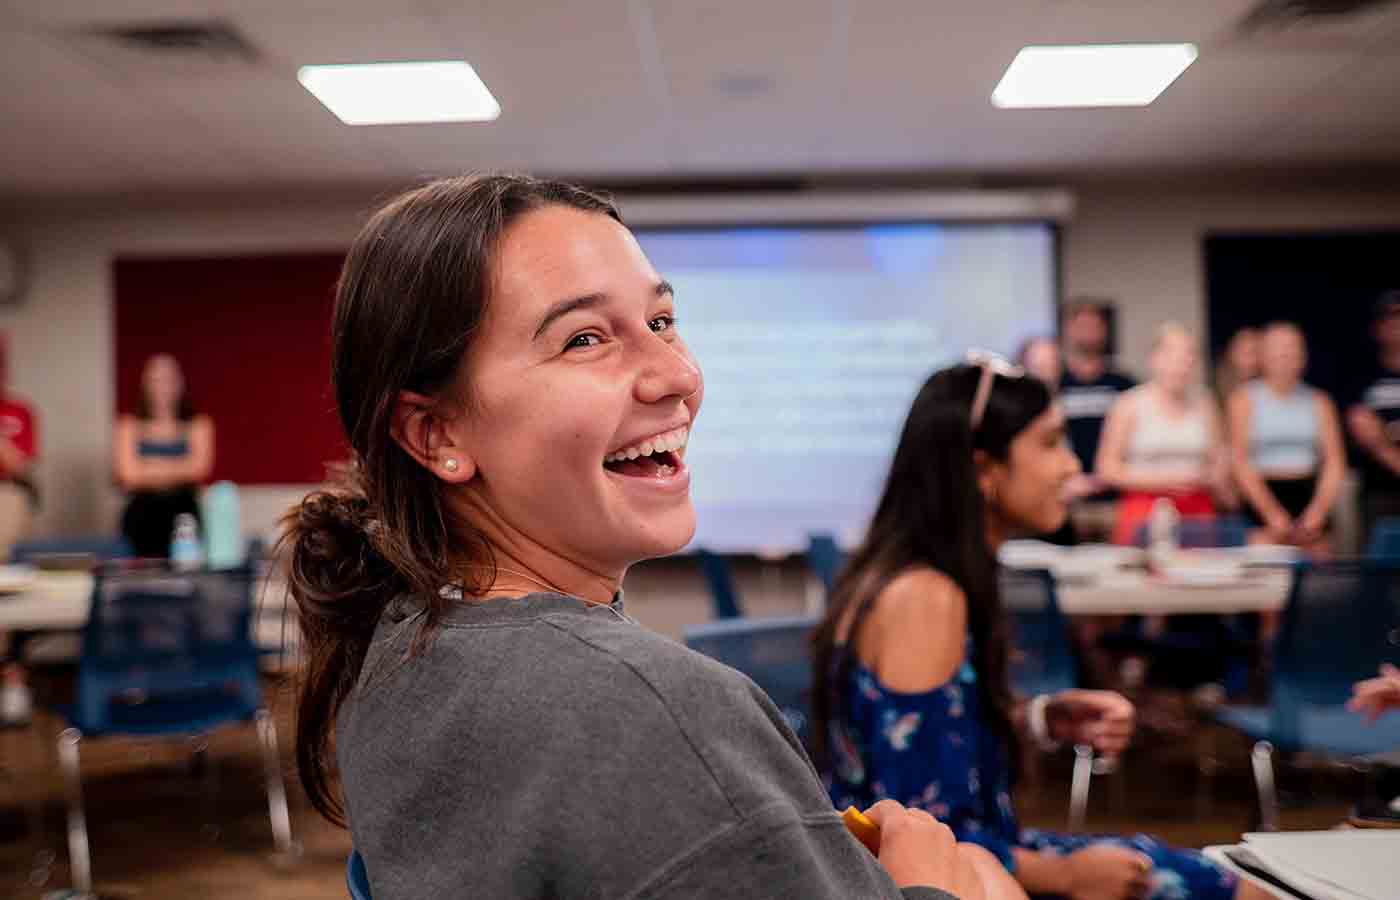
(662, 323)
(587, 339)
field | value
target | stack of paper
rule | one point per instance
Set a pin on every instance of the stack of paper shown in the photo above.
(1321, 865)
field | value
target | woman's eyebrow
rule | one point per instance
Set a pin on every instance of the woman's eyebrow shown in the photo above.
(564, 307)
(663, 288)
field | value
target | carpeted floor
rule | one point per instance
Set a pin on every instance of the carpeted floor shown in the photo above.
(160, 830)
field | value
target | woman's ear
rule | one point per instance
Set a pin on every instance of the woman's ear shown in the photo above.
(988, 474)
(420, 428)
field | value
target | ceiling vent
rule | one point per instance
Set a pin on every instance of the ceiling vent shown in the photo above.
(1308, 25)
(1288, 13)
(179, 48)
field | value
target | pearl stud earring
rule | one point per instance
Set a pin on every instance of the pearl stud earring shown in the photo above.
(450, 465)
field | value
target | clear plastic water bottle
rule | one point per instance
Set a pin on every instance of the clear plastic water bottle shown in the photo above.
(185, 550)
(1163, 534)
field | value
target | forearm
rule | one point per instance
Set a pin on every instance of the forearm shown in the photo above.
(1126, 479)
(1041, 873)
(1256, 491)
(1329, 486)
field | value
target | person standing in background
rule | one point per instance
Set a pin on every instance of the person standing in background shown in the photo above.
(1163, 439)
(1239, 364)
(1287, 446)
(19, 444)
(1088, 389)
(1040, 357)
(161, 456)
(1373, 418)
(18, 448)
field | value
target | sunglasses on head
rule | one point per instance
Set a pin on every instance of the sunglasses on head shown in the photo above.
(991, 365)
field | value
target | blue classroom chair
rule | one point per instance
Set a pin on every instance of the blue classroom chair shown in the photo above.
(1042, 661)
(166, 655)
(773, 652)
(1342, 621)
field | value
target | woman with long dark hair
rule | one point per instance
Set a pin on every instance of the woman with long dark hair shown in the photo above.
(161, 457)
(911, 698)
(475, 701)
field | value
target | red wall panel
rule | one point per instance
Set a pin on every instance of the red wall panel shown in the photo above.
(253, 337)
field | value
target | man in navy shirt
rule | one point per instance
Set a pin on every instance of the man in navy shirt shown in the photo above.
(1088, 389)
(1373, 418)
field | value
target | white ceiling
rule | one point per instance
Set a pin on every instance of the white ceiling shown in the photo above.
(636, 89)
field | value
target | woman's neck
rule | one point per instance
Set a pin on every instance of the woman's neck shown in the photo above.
(996, 531)
(523, 565)
(1175, 397)
(1282, 386)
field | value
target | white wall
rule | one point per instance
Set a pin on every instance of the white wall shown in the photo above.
(1139, 244)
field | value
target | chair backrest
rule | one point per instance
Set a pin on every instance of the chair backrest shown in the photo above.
(1203, 532)
(1042, 656)
(825, 558)
(356, 876)
(1342, 621)
(775, 653)
(720, 580)
(159, 633)
(1385, 539)
(102, 548)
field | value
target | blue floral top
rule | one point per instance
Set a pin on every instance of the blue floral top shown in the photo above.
(927, 750)
(933, 751)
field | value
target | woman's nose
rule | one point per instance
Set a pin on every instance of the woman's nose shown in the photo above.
(668, 371)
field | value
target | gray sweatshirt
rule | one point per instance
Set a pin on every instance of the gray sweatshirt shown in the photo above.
(541, 747)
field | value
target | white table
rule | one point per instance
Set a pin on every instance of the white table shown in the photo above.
(1124, 593)
(57, 601)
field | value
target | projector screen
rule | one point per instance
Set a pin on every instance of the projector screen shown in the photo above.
(814, 341)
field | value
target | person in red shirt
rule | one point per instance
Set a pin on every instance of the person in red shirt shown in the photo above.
(18, 447)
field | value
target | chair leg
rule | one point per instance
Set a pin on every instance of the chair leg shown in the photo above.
(78, 859)
(1079, 786)
(1262, 759)
(276, 790)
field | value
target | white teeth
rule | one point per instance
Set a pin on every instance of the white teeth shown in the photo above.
(668, 442)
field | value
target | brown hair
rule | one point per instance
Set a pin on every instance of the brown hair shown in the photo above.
(411, 295)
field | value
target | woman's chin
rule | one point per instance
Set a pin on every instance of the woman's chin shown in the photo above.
(665, 534)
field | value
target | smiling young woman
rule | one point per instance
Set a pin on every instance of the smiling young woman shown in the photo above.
(476, 703)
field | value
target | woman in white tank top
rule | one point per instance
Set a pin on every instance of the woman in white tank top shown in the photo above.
(1164, 440)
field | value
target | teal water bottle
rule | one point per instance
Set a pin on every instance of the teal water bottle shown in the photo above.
(223, 533)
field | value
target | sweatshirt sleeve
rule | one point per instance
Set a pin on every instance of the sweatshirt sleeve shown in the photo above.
(777, 853)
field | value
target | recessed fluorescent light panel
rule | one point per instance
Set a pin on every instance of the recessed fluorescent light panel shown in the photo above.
(401, 92)
(1091, 75)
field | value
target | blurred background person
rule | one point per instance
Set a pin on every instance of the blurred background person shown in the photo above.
(1163, 439)
(1238, 364)
(1040, 357)
(1089, 387)
(1373, 418)
(1287, 449)
(18, 449)
(162, 455)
